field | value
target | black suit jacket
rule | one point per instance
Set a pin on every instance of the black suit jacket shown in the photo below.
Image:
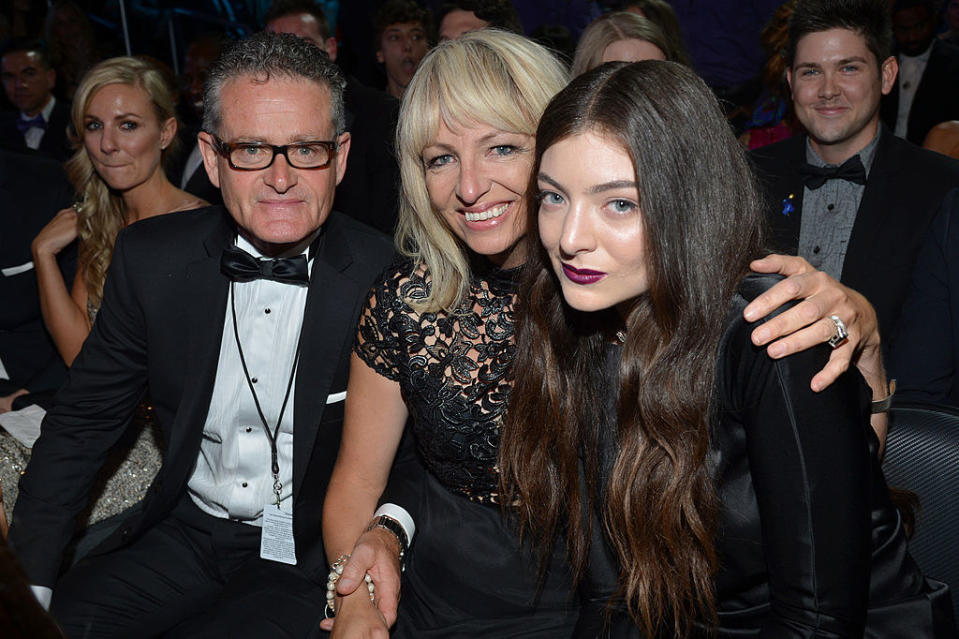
(199, 183)
(937, 96)
(905, 187)
(32, 190)
(160, 325)
(54, 143)
(369, 192)
(925, 355)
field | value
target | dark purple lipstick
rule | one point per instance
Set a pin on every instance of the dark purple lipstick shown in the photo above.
(582, 275)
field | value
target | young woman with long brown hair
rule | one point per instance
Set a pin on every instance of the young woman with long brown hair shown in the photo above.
(702, 487)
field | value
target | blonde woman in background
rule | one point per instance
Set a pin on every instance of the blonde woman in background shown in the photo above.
(124, 126)
(623, 37)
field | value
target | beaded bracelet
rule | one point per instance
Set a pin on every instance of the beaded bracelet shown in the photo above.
(336, 571)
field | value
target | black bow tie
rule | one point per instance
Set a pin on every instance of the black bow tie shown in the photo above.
(25, 124)
(851, 170)
(240, 266)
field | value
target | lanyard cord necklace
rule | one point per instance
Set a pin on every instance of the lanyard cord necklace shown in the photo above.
(274, 434)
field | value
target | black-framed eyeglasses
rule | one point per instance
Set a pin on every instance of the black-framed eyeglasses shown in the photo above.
(256, 156)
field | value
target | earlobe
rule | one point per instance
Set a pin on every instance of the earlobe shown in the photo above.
(167, 133)
(789, 78)
(205, 142)
(331, 48)
(379, 56)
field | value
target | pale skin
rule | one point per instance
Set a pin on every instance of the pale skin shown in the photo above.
(375, 410)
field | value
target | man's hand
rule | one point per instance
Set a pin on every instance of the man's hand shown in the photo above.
(377, 552)
(357, 618)
(807, 324)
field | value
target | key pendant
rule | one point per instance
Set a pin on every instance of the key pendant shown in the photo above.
(277, 487)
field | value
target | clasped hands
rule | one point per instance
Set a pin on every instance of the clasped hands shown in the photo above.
(377, 552)
(803, 326)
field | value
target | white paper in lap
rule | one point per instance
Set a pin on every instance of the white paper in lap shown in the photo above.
(24, 424)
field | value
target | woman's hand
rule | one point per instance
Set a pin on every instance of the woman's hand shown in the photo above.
(808, 323)
(57, 234)
(377, 552)
(6, 401)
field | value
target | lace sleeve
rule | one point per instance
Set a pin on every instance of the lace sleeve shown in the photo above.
(387, 318)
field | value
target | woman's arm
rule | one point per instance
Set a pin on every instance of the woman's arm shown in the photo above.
(64, 312)
(372, 427)
(810, 465)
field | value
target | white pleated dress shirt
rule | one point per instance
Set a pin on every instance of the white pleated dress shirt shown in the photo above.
(232, 478)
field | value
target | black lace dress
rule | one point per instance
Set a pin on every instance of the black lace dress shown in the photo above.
(468, 575)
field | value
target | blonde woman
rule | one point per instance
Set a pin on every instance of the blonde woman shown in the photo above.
(124, 126)
(434, 345)
(624, 37)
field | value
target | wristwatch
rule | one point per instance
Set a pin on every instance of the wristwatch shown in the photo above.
(390, 524)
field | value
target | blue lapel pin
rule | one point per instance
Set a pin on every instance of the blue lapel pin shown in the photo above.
(788, 205)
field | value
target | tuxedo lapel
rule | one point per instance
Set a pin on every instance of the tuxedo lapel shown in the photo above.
(785, 191)
(878, 203)
(205, 288)
(328, 324)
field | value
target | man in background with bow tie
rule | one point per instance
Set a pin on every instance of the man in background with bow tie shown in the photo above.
(28, 81)
(239, 320)
(849, 196)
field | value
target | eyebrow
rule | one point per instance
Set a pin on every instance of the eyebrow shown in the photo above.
(596, 188)
(483, 140)
(545, 178)
(817, 65)
(613, 186)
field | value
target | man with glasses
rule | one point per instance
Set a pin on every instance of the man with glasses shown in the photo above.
(239, 321)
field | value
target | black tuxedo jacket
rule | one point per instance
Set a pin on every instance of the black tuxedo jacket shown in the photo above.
(369, 192)
(160, 324)
(905, 187)
(925, 358)
(32, 190)
(199, 183)
(937, 96)
(54, 143)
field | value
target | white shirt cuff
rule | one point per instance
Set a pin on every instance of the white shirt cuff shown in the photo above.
(43, 595)
(401, 516)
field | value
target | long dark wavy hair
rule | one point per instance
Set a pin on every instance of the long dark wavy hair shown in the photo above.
(701, 214)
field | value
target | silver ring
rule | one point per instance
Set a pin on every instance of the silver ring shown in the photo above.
(841, 332)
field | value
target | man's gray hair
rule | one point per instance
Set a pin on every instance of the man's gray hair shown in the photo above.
(266, 55)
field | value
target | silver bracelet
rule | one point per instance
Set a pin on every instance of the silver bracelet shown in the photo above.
(336, 571)
(882, 405)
